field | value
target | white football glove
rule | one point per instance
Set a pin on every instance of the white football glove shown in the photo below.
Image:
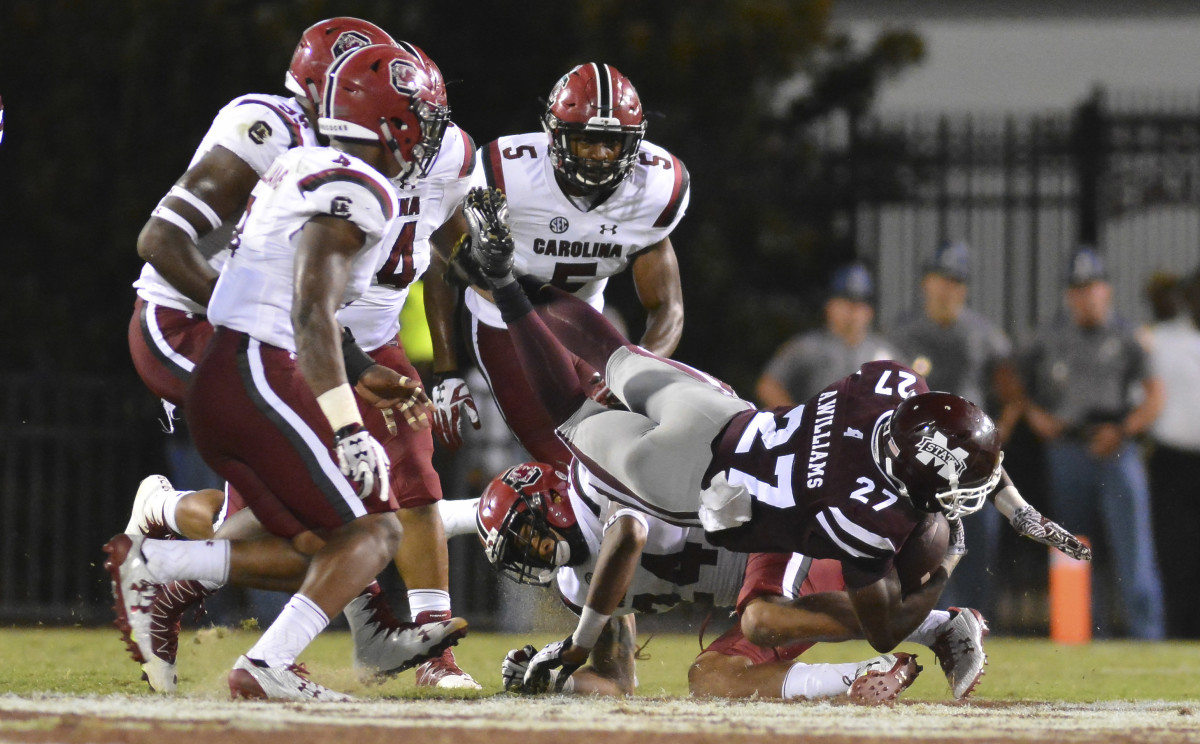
(362, 460)
(547, 672)
(451, 400)
(512, 669)
(1029, 522)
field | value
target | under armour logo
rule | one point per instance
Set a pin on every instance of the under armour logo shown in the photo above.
(951, 462)
(607, 229)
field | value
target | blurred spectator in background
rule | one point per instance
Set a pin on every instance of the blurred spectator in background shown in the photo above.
(960, 351)
(1174, 345)
(804, 365)
(1084, 372)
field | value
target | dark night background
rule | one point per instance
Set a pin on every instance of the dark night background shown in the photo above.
(105, 103)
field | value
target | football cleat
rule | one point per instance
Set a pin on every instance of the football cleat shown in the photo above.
(384, 646)
(486, 212)
(443, 672)
(170, 603)
(958, 644)
(252, 679)
(133, 592)
(882, 679)
(147, 517)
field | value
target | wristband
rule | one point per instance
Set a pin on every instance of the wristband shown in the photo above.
(587, 632)
(339, 407)
(357, 361)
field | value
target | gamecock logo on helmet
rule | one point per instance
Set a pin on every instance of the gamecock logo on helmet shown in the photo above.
(349, 41)
(403, 76)
(952, 462)
(520, 476)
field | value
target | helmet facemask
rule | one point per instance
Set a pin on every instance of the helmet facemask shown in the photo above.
(513, 546)
(431, 121)
(589, 175)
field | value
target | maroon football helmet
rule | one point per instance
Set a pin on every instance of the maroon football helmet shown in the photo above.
(520, 510)
(594, 100)
(942, 451)
(386, 94)
(319, 46)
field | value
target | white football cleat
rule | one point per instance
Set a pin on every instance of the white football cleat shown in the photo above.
(384, 646)
(882, 678)
(133, 592)
(444, 673)
(251, 679)
(147, 516)
(958, 644)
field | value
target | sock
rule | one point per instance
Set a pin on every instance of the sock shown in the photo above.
(926, 632)
(817, 680)
(176, 560)
(299, 622)
(458, 516)
(512, 301)
(170, 501)
(429, 605)
(548, 366)
(583, 330)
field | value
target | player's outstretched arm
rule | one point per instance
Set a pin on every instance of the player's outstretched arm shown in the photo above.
(1029, 522)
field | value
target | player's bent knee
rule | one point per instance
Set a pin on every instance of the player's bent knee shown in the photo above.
(711, 673)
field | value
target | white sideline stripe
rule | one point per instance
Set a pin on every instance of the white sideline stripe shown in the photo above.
(757, 720)
(160, 341)
(315, 445)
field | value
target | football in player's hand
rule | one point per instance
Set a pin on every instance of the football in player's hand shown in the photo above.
(922, 552)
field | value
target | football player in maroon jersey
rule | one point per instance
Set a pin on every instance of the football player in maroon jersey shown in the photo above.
(845, 476)
(541, 527)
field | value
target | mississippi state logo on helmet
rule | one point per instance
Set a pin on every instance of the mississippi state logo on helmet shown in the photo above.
(527, 526)
(594, 100)
(940, 450)
(319, 46)
(386, 94)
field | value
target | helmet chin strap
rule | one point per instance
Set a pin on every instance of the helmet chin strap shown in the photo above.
(562, 553)
(406, 167)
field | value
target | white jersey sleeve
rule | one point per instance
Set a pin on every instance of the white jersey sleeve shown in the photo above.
(254, 293)
(573, 245)
(374, 318)
(677, 564)
(257, 129)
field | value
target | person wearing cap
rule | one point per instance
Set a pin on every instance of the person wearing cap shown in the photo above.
(1091, 395)
(960, 351)
(805, 364)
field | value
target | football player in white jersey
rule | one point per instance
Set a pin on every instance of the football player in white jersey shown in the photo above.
(271, 403)
(169, 331)
(588, 198)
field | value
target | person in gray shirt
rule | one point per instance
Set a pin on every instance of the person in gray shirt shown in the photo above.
(960, 351)
(805, 364)
(1091, 393)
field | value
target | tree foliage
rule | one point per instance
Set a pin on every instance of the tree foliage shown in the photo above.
(106, 102)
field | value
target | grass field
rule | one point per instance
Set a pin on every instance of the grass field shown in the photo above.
(93, 661)
(77, 686)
